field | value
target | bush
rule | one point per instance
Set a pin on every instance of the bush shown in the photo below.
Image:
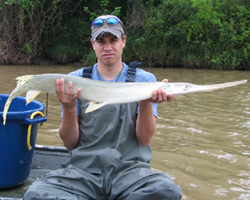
(196, 33)
(161, 33)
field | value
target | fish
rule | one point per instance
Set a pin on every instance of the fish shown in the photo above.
(101, 93)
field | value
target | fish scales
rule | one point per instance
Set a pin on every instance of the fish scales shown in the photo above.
(120, 92)
(101, 93)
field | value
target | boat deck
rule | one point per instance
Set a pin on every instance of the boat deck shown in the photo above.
(45, 159)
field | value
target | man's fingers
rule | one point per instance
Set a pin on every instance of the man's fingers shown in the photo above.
(61, 85)
(169, 97)
(70, 88)
(164, 95)
(77, 93)
(154, 95)
(160, 95)
(57, 85)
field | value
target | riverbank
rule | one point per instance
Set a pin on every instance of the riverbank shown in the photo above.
(211, 34)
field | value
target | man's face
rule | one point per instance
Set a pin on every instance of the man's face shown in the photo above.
(109, 49)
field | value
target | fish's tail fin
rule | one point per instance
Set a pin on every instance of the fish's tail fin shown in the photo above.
(6, 108)
(21, 80)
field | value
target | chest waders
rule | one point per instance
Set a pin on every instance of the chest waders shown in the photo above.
(108, 163)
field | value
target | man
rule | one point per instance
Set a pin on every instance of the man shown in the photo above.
(110, 146)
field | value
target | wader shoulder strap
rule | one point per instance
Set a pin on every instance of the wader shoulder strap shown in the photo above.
(87, 72)
(132, 71)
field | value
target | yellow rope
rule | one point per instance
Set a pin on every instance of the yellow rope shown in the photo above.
(29, 128)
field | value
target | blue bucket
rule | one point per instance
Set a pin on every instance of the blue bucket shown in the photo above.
(15, 157)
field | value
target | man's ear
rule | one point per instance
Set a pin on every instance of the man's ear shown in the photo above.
(124, 39)
(93, 43)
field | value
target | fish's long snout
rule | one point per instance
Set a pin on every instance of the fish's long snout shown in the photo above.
(224, 85)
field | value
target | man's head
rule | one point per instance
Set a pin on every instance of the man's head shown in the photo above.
(108, 40)
(106, 24)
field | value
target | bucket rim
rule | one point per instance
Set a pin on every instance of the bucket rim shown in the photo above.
(21, 114)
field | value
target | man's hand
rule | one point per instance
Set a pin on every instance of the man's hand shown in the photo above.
(146, 121)
(67, 99)
(69, 127)
(160, 95)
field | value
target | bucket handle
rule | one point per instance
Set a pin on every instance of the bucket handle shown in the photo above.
(30, 125)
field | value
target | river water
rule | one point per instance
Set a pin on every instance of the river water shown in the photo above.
(202, 140)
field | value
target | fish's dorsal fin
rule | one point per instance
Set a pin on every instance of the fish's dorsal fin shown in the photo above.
(21, 80)
(94, 106)
(31, 95)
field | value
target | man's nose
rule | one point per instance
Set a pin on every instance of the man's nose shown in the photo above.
(107, 46)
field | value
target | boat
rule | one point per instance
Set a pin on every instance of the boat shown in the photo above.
(45, 159)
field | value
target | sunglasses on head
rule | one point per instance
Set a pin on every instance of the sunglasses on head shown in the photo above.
(110, 21)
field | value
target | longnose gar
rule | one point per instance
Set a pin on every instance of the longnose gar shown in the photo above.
(102, 92)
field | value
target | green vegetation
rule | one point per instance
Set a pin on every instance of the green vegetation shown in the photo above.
(211, 34)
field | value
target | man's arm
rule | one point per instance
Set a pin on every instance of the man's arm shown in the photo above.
(69, 127)
(146, 121)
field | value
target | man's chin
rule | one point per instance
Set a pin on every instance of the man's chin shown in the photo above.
(109, 62)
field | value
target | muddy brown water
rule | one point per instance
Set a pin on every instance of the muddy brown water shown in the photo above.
(202, 140)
